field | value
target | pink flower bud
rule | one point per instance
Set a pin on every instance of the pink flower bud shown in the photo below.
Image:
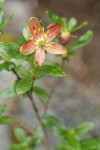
(65, 37)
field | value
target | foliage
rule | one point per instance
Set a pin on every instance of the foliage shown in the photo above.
(4, 119)
(23, 85)
(4, 22)
(27, 142)
(52, 69)
(82, 41)
(27, 71)
(41, 93)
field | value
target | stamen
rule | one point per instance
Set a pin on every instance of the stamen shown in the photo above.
(41, 43)
(39, 30)
(35, 31)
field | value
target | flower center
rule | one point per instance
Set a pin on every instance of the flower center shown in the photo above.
(42, 40)
(41, 43)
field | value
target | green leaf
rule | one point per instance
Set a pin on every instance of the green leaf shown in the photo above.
(41, 93)
(38, 134)
(57, 19)
(72, 23)
(10, 50)
(84, 128)
(53, 69)
(36, 139)
(21, 41)
(26, 33)
(20, 134)
(83, 40)
(83, 24)
(53, 17)
(54, 125)
(23, 85)
(71, 53)
(63, 22)
(73, 143)
(23, 70)
(69, 142)
(5, 120)
(8, 93)
(4, 23)
(32, 142)
(1, 13)
(6, 66)
(16, 147)
(90, 144)
(42, 24)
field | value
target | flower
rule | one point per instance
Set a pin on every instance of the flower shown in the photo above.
(42, 41)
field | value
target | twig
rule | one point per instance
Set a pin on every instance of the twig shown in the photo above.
(13, 70)
(52, 89)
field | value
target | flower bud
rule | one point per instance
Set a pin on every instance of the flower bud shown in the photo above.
(65, 37)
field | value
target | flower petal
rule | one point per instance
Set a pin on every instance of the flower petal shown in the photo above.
(55, 48)
(35, 28)
(28, 48)
(40, 56)
(53, 31)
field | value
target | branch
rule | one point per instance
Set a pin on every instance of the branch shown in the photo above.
(52, 89)
(39, 118)
(29, 94)
(13, 70)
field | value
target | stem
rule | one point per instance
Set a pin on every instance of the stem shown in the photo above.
(13, 70)
(52, 89)
(39, 118)
(29, 94)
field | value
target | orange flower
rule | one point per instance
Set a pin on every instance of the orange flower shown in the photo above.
(41, 41)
